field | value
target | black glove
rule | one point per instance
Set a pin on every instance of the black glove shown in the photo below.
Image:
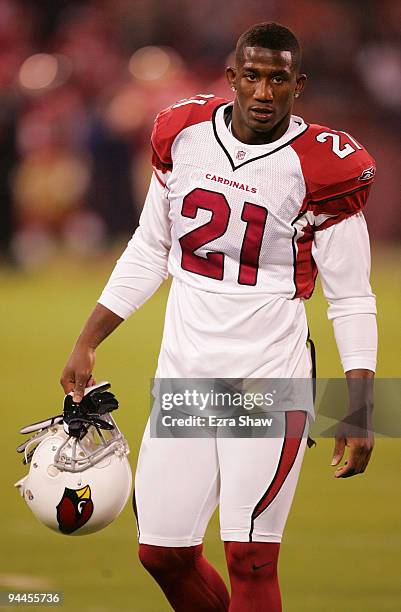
(97, 401)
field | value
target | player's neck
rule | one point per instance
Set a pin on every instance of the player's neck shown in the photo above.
(246, 135)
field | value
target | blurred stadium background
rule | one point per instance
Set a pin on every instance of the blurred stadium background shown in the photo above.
(80, 84)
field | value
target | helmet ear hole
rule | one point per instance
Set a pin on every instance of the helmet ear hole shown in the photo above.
(53, 471)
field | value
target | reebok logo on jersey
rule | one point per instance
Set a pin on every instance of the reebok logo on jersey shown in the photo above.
(367, 174)
(235, 184)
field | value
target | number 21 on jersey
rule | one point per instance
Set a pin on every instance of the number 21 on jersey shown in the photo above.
(336, 145)
(212, 265)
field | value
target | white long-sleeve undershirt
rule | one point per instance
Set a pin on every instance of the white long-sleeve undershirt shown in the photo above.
(143, 265)
(342, 255)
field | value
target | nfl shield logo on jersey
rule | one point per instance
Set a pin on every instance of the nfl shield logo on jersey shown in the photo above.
(240, 154)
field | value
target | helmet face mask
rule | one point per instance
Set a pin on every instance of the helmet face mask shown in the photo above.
(77, 455)
(76, 486)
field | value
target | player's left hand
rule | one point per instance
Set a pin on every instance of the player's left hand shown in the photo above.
(356, 429)
(360, 450)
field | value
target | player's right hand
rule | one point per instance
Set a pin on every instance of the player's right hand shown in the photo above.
(77, 374)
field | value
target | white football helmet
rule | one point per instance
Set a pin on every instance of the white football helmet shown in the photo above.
(76, 485)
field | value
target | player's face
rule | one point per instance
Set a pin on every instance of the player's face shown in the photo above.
(266, 83)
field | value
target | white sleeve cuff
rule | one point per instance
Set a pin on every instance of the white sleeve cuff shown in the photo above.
(365, 304)
(356, 337)
(120, 307)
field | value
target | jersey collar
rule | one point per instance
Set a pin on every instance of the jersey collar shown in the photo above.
(239, 153)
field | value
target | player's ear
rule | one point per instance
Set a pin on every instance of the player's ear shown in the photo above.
(231, 74)
(301, 81)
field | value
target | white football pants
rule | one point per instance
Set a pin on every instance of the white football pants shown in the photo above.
(180, 481)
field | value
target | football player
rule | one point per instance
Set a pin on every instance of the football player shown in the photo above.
(246, 204)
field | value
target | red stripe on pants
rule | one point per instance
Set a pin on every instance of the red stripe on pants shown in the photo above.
(294, 429)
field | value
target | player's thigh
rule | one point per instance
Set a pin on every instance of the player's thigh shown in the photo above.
(258, 480)
(176, 489)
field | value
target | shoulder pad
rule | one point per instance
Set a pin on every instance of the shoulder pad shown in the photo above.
(333, 163)
(171, 121)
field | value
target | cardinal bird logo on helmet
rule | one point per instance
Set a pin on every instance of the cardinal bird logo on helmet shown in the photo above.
(74, 509)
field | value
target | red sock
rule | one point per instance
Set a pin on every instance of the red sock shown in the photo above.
(253, 575)
(188, 581)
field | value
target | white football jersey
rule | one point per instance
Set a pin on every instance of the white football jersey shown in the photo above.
(240, 228)
(243, 216)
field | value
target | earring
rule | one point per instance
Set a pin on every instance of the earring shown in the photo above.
(233, 88)
(297, 95)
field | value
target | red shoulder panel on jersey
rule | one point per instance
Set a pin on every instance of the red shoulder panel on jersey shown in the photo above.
(171, 121)
(341, 207)
(335, 167)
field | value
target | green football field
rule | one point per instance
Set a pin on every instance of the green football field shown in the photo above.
(341, 549)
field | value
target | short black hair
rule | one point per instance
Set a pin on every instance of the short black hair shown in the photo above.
(270, 35)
